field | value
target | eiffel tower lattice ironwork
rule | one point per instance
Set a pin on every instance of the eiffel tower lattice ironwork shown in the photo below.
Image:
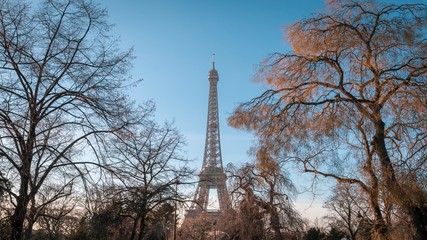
(212, 176)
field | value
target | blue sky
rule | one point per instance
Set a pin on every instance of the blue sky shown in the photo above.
(173, 42)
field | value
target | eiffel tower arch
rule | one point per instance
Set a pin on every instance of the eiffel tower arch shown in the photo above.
(212, 178)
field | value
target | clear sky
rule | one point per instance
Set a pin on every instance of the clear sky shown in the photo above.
(173, 42)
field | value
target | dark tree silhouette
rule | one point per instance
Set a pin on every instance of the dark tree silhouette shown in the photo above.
(61, 88)
(147, 166)
(314, 234)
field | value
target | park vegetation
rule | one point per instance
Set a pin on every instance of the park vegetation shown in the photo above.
(349, 103)
(80, 160)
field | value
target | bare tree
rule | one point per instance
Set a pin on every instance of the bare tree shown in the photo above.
(263, 189)
(54, 219)
(53, 203)
(349, 207)
(61, 89)
(104, 219)
(197, 228)
(349, 102)
(147, 165)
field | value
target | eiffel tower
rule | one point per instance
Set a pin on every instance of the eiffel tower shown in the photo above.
(212, 177)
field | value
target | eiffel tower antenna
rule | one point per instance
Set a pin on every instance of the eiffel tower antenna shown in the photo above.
(213, 61)
(212, 177)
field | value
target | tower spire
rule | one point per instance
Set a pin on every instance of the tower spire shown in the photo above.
(212, 176)
(213, 60)
(213, 75)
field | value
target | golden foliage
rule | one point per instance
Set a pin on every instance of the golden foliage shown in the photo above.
(352, 92)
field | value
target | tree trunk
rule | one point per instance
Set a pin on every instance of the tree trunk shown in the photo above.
(417, 220)
(135, 225)
(18, 217)
(142, 229)
(399, 196)
(380, 229)
(275, 224)
(31, 219)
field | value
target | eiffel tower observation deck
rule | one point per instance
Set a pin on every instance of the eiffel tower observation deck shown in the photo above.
(211, 195)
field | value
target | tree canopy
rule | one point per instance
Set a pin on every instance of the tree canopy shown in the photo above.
(63, 83)
(349, 102)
